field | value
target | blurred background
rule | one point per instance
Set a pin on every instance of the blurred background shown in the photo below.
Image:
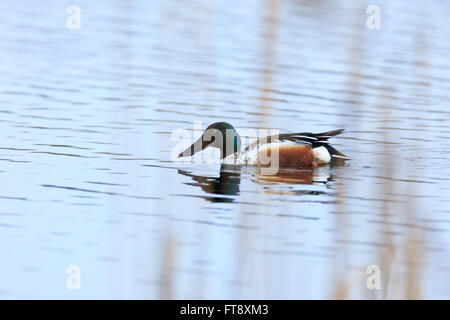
(87, 117)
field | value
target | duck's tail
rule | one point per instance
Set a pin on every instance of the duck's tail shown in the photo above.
(322, 140)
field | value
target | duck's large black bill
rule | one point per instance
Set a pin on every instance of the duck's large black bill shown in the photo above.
(197, 146)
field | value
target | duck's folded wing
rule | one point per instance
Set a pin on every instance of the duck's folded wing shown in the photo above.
(315, 139)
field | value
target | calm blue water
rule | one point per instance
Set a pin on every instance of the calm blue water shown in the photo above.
(85, 156)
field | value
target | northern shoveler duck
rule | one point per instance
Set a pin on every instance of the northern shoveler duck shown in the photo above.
(294, 149)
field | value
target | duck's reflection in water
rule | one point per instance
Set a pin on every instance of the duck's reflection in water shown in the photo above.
(226, 186)
(298, 176)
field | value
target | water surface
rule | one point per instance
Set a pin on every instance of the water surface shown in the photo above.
(85, 157)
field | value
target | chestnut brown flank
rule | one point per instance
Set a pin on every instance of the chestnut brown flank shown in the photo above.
(299, 155)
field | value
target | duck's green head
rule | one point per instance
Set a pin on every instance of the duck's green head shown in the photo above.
(220, 135)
